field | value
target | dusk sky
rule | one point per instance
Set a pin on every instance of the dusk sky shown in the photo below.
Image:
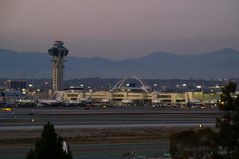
(118, 29)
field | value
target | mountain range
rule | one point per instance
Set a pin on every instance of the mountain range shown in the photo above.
(219, 64)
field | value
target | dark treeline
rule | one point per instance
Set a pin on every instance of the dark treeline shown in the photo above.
(204, 143)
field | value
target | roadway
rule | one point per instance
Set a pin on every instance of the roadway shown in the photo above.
(92, 151)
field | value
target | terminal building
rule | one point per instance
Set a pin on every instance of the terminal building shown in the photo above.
(17, 85)
(135, 93)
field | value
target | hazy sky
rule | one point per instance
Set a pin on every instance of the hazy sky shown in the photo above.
(119, 29)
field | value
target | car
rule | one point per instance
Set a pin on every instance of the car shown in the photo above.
(7, 109)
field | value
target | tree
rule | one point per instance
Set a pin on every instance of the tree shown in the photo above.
(193, 144)
(49, 146)
(228, 135)
(227, 100)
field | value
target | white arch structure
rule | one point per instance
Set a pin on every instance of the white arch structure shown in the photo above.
(120, 83)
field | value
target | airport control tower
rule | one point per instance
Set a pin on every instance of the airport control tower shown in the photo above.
(57, 53)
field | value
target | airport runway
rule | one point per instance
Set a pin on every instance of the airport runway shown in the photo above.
(96, 126)
(27, 119)
(34, 118)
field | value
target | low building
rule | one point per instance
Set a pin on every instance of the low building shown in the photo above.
(130, 94)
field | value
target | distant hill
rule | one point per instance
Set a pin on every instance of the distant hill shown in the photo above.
(218, 64)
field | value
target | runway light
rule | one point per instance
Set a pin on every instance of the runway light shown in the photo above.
(199, 87)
